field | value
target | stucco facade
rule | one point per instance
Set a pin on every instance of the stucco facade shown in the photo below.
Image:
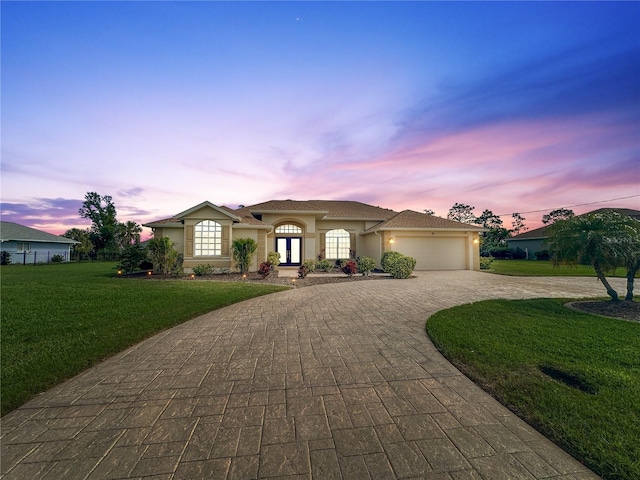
(301, 231)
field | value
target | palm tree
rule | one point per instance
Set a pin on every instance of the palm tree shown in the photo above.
(603, 240)
(129, 233)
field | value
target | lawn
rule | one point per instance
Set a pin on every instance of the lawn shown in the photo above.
(58, 320)
(573, 376)
(544, 268)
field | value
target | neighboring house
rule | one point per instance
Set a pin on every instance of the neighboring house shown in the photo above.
(28, 245)
(533, 240)
(308, 230)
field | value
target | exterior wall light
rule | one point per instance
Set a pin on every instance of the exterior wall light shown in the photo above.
(476, 241)
(392, 241)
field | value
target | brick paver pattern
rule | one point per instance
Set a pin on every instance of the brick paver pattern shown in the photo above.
(329, 382)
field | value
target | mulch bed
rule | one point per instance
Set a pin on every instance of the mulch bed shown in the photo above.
(289, 281)
(621, 309)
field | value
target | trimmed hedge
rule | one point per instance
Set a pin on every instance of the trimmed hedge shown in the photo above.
(397, 265)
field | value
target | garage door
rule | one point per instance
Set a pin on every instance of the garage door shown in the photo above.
(441, 253)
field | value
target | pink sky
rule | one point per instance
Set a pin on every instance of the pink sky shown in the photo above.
(511, 107)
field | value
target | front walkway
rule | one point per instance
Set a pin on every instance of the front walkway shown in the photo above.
(329, 382)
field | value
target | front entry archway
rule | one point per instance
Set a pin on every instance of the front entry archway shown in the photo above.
(290, 251)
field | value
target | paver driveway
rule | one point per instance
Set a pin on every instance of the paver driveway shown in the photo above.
(327, 382)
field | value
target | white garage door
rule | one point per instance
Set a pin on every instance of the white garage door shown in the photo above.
(440, 253)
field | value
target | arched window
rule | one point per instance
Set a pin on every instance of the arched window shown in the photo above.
(288, 229)
(337, 244)
(208, 238)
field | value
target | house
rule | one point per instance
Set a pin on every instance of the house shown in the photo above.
(28, 245)
(306, 230)
(533, 240)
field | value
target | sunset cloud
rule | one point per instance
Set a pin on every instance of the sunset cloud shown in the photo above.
(507, 106)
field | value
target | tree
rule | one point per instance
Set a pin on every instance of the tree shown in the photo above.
(102, 213)
(461, 213)
(495, 237)
(603, 240)
(243, 251)
(558, 214)
(631, 247)
(518, 224)
(85, 247)
(490, 220)
(129, 233)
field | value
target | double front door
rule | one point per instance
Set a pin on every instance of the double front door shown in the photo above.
(290, 250)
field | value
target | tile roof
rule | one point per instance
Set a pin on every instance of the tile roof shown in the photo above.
(416, 220)
(330, 208)
(14, 231)
(339, 209)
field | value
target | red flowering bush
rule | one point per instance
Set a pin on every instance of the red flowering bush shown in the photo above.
(265, 269)
(350, 268)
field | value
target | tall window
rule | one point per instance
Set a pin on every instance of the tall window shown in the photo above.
(337, 244)
(288, 229)
(208, 238)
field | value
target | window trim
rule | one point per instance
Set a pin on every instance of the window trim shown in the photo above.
(288, 229)
(331, 250)
(213, 247)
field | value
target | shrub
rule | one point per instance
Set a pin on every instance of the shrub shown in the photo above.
(350, 268)
(543, 255)
(57, 258)
(501, 253)
(5, 258)
(485, 263)
(324, 265)
(274, 259)
(365, 265)
(243, 251)
(403, 267)
(132, 259)
(163, 256)
(303, 271)
(388, 259)
(311, 265)
(265, 268)
(518, 254)
(203, 269)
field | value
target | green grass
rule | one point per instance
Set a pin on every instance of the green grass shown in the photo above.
(503, 345)
(57, 320)
(544, 268)
(538, 268)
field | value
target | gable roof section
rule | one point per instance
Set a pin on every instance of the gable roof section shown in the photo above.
(412, 220)
(14, 231)
(240, 217)
(225, 211)
(326, 209)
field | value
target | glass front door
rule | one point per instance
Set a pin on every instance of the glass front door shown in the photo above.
(290, 250)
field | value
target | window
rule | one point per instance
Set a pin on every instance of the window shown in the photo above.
(337, 244)
(208, 238)
(288, 229)
(23, 247)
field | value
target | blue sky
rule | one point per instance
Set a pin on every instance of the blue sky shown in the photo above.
(506, 106)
